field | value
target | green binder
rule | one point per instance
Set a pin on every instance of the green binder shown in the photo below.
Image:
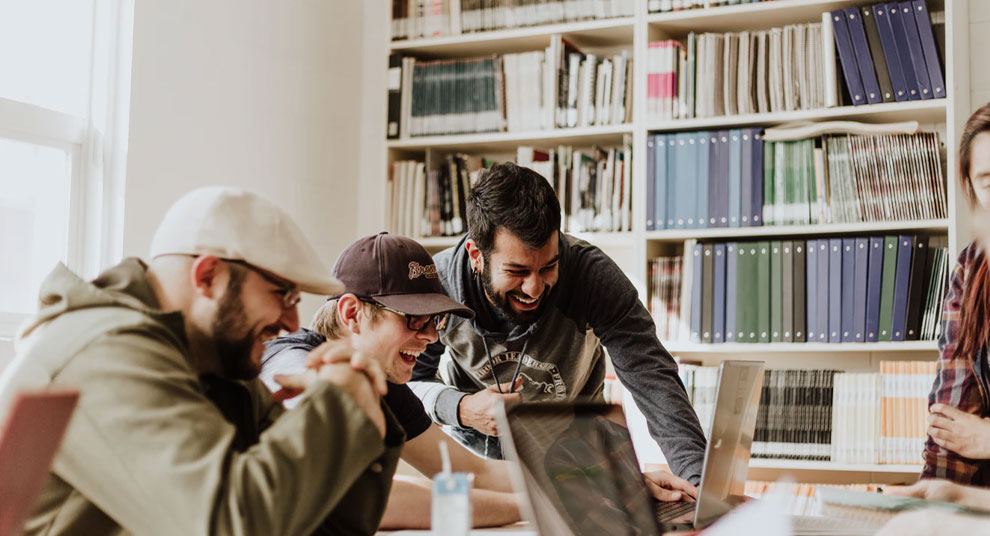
(887, 287)
(763, 291)
(746, 292)
(776, 302)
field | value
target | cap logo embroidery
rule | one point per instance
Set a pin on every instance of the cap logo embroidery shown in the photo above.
(416, 269)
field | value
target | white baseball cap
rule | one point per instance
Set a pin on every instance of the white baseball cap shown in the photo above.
(236, 224)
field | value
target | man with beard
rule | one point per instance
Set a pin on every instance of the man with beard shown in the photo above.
(545, 304)
(174, 433)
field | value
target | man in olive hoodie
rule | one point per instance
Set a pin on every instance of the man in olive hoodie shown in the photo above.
(174, 433)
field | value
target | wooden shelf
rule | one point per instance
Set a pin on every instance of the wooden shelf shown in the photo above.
(590, 33)
(625, 239)
(438, 242)
(924, 111)
(800, 347)
(494, 141)
(677, 235)
(757, 16)
(805, 465)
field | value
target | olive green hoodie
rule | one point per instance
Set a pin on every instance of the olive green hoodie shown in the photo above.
(148, 450)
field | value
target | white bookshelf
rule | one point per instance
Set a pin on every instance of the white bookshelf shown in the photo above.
(633, 249)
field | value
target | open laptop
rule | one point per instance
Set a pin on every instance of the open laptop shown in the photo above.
(575, 466)
(36, 422)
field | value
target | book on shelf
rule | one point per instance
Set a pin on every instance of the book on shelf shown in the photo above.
(557, 87)
(594, 188)
(853, 289)
(835, 178)
(827, 415)
(888, 52)
(664, 6)
(414, 19)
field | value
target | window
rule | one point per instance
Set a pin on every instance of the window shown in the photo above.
(64, 96)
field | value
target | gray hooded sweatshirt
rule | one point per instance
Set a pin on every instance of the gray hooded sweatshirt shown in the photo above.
(593, 303)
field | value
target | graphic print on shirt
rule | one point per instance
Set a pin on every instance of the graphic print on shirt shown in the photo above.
(541, 381)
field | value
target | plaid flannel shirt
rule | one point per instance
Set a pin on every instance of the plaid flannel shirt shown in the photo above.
(958, 383)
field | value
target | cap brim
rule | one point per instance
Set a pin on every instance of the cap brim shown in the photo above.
(325, 286)
(424, 304)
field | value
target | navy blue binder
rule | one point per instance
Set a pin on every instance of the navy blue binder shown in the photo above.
(874, 280)
(735, 177)
(915, 48)
(904, 51)
(651, 181)
(696, 284)
(862, 259)
(672, 181)
(800, 294)
(924, 24)
(902, 282)
(811, 291)
(707, 301)
(847, 58)
(823, 290)
(835, 290)
(701, 179)
(756, 218)
(731, 264)
(861, 48)
(889, 45)
(848, 297)
(718, 309)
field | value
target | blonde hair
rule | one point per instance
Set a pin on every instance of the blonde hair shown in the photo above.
(326, 322)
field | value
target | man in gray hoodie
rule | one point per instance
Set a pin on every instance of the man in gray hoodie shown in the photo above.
(545, 304)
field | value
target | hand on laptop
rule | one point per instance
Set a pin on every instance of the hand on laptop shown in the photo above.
(478, 410)
(667, 487)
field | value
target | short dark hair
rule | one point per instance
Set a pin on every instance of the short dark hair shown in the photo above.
(517, 199)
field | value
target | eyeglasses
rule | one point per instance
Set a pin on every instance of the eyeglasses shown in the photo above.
(415, 322)
(289, 293)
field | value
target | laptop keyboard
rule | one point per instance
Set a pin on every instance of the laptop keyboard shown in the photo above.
(666, 511)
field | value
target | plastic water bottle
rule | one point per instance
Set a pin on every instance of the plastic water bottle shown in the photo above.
(451, 505)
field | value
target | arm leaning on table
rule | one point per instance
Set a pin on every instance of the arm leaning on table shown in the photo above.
(492, 500)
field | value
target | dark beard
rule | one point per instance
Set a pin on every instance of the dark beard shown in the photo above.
(233, 354)
(501, 301)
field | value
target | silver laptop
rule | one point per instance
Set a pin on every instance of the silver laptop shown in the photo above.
(575, 467)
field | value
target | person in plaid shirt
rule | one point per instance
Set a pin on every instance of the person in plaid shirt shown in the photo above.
(958, 446)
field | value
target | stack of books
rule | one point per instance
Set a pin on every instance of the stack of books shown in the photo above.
(850, 289)
(559, 87)
(825, 415)
(720, 74)
(887, 51)
(733, 178)
(663, 6)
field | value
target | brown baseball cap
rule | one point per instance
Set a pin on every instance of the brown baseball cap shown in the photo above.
(397, 272)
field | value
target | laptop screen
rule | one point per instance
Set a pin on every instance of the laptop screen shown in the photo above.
(578, 460)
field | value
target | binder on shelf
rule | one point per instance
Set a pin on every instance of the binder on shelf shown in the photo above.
(651, 183)
(394, 85)
(835, 290)
(787, 282)
(822, 313)
(763, 291)
(848, 333)
(707, 298)
(890, 53)
(915, 49)
(671, 194)
(686, 178)
(811, 290)
(776, 292)
(887, 287)
(916, 291)
(718, 310)
(861, 270)
(697, 277)
(735, 161)
(746, 178)
(746, 293)
(867, 73)
(702, 148)
(902, 284)
(904, 50)
(876, 53)
(874, 284)
(924, 23)
(731, 271)
(800, 291)
(756, 217)
(850, 71)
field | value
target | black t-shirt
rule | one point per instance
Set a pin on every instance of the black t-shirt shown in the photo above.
(405, 405)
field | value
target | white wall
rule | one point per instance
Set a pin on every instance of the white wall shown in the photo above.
(253, 93)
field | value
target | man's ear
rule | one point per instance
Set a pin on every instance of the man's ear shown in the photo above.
(474, 253)
(208, 273)
(349, 311)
